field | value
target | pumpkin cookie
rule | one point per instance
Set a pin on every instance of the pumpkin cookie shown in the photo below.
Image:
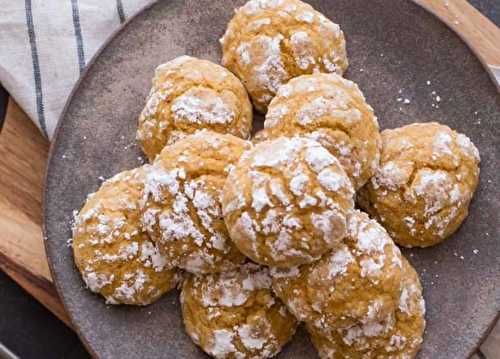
(190, 94)
(332, 111)
(358, 281)
(286, 202)
(235, 315)
(115, 256)
(426, 179)
(268, 42)
(399, 335)
(182, 210)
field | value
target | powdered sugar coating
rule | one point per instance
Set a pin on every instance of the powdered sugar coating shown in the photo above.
(339, 290)
(189, 94)
(302, 49)
(114, 255)
(182, 208)
(286, 202)
(468, 147)
(255, 324)
(332, 111)
(423, 187)
(269, 42)
(192, 107)
(255, 6)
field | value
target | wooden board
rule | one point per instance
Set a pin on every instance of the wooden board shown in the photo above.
(23, 155)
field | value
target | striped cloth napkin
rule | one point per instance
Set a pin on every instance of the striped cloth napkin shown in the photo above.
(46, 44)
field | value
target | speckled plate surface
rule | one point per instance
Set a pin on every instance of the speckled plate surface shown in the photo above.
(395, 47)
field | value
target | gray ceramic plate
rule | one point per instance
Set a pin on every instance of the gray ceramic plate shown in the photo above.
(395, 47)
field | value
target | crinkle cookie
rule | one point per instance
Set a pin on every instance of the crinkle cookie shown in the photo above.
(235, 315)
(114, 255)
(332, 111)
(358, 281)
(427, 176)
(268, 42)
(189, 94)
(286, 202)
(182, 210)
(398, 336)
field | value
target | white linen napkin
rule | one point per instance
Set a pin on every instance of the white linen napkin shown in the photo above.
(46, 44)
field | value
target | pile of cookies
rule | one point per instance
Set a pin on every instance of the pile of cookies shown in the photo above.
(264, 234)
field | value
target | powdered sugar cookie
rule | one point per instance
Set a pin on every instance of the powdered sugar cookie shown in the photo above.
(426, 179)
(286, 202)
(235, 315)
(399, 335)
(332, 111)
(357, 282)
(190, 94)
(182, 210)
(268, 42)
(114, 255)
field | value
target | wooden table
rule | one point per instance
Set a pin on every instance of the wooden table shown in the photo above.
(23, 156)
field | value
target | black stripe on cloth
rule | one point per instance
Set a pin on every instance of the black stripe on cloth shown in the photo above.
(119, 9)
(36, 67)
(78, 34)
(4, 99)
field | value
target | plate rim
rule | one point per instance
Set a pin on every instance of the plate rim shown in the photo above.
(64, 112)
